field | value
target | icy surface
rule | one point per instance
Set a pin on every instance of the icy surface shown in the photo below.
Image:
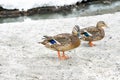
(27, 4)
(22, 58)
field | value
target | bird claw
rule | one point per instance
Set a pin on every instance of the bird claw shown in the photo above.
(91, 44)
(64, 57)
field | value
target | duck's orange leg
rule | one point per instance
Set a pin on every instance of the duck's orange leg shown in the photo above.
(64, 57)
(59, 55)
(91, 44)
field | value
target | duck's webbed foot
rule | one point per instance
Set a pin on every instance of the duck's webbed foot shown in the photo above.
(63, 57)
(91, 44)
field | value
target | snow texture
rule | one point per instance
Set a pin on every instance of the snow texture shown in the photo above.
(27, 4)
(22, 58)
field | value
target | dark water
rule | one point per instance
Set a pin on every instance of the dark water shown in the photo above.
(95, 9)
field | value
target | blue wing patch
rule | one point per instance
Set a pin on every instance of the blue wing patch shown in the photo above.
(86, 34)
(52, 41)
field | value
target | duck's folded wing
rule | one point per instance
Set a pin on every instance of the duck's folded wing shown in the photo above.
(63, 39)
(60, 42)
(91, 30)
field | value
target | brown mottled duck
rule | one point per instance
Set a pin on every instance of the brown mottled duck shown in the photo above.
(63, 42)
(93, 33)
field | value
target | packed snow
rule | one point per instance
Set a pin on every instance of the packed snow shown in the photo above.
(27, 4)
(22, 58)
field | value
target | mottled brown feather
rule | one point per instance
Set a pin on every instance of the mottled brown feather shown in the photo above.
(96, 31)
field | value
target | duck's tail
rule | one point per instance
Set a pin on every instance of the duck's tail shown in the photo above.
(45, 39)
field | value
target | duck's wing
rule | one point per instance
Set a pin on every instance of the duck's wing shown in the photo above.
(92, 30)
(57, 41)
(63, 39)
(62, 42)
(67, 42)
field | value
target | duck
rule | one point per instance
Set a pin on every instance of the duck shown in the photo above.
(63, 42)
(93, 33)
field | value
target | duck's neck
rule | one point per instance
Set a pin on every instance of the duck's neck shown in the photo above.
(99, 27)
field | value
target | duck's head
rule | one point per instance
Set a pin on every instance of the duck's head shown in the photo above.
(76, 31)
(101, 25)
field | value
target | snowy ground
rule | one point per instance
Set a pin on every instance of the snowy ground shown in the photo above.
(22, 58)
(27, 4)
